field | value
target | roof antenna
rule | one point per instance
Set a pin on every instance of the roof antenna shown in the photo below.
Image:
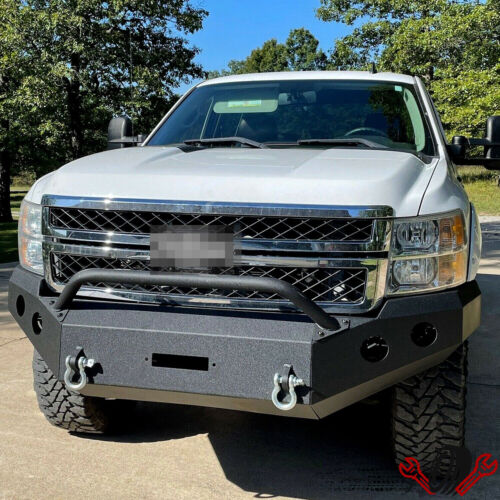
(373, 68)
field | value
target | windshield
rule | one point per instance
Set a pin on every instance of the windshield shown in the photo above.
(290, 113)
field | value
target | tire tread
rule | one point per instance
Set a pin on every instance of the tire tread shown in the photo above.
(63, 408)
(428, 410)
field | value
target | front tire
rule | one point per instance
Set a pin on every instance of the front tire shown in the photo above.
(71, 410)
(428, 410)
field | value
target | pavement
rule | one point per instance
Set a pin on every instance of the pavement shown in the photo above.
(171, 451)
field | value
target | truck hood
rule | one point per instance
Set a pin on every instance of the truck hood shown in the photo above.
(336, 177)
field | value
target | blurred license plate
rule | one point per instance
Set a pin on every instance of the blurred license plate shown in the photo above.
(196, 247)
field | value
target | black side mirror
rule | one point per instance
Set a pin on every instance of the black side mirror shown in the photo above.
(457, 148)
(492, 151)
(491, 143)
(120, 133)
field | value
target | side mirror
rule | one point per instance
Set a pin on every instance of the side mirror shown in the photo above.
(457, 148)
(491, 143)
(120, 133)
(492, 151)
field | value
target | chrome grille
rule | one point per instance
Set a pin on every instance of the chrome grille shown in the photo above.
(244, 226)
(326, 285)
(337, 256)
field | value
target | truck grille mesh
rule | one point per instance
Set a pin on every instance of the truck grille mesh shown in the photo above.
(341, 286)
(263, 227)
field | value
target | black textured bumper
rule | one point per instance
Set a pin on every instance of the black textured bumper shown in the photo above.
(232, 355)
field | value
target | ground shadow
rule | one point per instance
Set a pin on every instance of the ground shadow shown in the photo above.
(348, 452)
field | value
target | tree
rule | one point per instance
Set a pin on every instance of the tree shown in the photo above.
(300, 52)
(453, 45)
(10, 65)
(80, 62)
(272, 56)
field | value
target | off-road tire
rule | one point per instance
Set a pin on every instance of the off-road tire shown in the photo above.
(71, 410)
(428, 410)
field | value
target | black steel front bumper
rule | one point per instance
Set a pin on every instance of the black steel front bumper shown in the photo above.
(228, 359)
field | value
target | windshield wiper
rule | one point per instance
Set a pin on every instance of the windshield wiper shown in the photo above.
(226, 140)
(341, 142)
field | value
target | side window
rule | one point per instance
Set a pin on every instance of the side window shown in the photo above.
(188, 124)
(416, 119)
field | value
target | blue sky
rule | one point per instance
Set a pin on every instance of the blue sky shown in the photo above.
(235, 27)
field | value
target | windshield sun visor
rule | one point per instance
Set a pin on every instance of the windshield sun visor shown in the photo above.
(258, 100)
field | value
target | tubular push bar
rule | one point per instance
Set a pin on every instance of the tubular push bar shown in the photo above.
(248, 283)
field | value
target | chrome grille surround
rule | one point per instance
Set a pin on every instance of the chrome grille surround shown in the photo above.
(243, 226)
(278, 257)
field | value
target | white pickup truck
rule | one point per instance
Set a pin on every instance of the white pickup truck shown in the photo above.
(351, 269)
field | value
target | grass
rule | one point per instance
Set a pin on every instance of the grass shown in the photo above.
(8, 241)
(483, 188)
(15, 201)
(8, 230)
(485, 195)
(477, 173)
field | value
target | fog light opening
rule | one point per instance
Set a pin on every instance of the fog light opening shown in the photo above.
(20, 306)
(424, 334)
(374, 349)
(36, 324)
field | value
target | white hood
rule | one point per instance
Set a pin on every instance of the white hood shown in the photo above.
(337, 177)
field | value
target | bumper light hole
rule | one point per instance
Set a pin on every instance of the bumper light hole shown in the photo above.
(20, 305)
(374, 349)
(424, 334)
(36, 324)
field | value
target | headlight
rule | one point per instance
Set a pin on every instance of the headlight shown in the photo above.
(30, 237)
(428, 253)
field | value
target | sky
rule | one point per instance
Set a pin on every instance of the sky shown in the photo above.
(235, 27)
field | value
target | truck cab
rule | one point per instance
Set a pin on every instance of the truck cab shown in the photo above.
(282, 243)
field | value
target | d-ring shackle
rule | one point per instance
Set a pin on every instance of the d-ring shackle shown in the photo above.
(293, 382)
(82, 363)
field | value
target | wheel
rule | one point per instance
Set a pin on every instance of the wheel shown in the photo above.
(73, 411)
(428, 411)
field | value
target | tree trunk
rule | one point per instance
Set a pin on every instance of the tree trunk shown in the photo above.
(74, 104)
(429, 74)
(5, 161)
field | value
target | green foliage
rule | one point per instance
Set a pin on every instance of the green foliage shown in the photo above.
(272, 56)
(466, 100)
(302, 51)
(299, 53)
(454, 46)
(67, 68)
